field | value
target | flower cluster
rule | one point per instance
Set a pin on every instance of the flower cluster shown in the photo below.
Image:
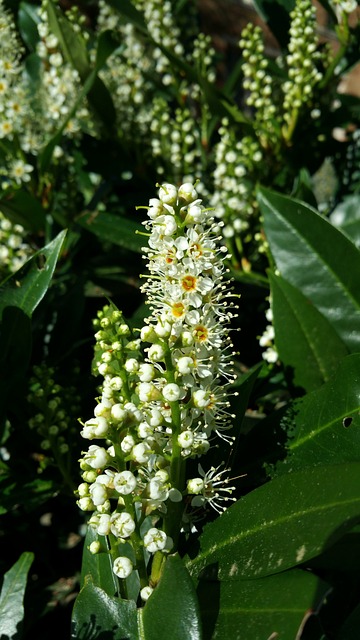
(266, 340)
(14, 250)
(257, 80)
(175, 130)
(56, 406)
(163, 398)
(238, 163)
(302, 61)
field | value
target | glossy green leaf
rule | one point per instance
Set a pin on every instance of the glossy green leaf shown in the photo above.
(22, 208)
(27, 287)
(281, 524)
(96, 615)
(304, 339)
(116, 229)
(12, 596)
(98, 567)
(274, 606)
(173, 609)
(28, 19)
(346, 217)
(325, 425)
(317, 259)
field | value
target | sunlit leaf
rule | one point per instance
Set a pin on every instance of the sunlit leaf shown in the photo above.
(303, 246)
(305, 341)
(325, 425)
(12, 596)
(281, 524)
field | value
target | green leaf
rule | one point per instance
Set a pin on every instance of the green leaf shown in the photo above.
(345, 216)
(127, 9)
(22, 208)
(350, 628)
(304, 339)
(98, 566)
(317, 259)
(12, 596)
(175, 600)
(96, 615)
(325, 424)
(71, 43)
(276, 14)
(98, 96)
(274, 606)
(28, 19)
(116, 229)
(26, 288)
(281, 524)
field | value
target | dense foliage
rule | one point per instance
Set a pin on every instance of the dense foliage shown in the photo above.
(179, 284)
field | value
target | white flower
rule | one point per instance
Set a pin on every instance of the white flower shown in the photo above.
(122, 525)
(122, 567)
(158, 489)
(125, 482)
(146, 372)
(127, 444)
(96, 457)
(156, 353)
(103, 527)
(98, 493)
(20, 171)
(168, 193)
(131, 365)
(146, 592)
(141, 452)
(186, 439)
(211, 489)
(155, 540)
(171, 392)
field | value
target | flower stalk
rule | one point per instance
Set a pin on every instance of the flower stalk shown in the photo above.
(163, 400)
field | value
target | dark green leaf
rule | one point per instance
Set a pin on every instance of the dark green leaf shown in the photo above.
(98, 566)
(28, 19)
(351, 627)
(120, 231)
(276, 14)
(12, 596)
(127, 9)
(71, 43)
(346, 216)
(15, 490)
(274, 606)
(325, 424)
(281, 524)
(96, 615)
(15, 353)
(305, 341)
(317, 259)
(175, 600)
(27, 287)
(22, 208)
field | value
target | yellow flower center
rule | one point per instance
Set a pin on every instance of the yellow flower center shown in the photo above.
(189, 283)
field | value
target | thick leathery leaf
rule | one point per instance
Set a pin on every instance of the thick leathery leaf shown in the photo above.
(302, 243)
(305, 340)
(281, 524)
